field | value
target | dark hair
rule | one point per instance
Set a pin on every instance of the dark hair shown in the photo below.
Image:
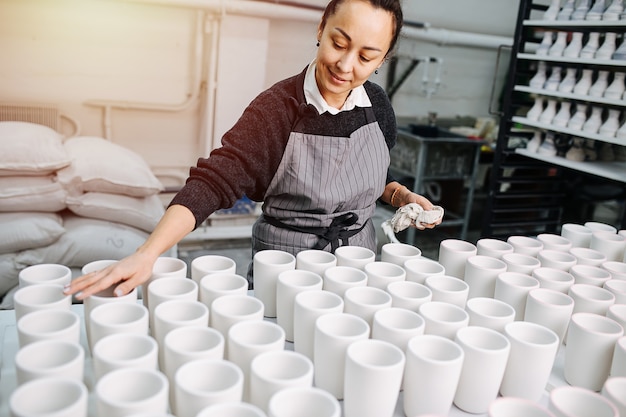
(392, 6)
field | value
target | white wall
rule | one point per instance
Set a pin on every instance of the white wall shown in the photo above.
(71, 52)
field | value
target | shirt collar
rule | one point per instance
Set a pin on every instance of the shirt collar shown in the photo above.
(357, 97)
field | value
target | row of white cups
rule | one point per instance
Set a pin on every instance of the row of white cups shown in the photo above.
(478, 330)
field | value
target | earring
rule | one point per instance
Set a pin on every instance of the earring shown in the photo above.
(318, 44)
(376, 71)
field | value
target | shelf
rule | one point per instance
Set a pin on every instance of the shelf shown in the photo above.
(573, 132)
(573, 24)
(612, 170)
(570, 96)
(546, 58)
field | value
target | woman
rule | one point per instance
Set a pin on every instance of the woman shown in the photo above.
(314, 148)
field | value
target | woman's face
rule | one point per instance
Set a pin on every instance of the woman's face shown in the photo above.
(353, 44)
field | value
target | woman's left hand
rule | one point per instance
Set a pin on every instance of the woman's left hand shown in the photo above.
(404, 196)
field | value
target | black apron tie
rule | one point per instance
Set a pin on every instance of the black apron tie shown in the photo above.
(338, 230)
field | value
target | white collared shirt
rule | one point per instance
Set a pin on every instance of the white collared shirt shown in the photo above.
(357, 97)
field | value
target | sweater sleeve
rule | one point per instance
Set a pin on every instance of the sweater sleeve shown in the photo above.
(246, 162)
(385, 116)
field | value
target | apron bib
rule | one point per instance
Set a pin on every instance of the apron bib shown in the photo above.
(324, 192)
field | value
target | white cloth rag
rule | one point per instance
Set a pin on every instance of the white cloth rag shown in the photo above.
(414, 214)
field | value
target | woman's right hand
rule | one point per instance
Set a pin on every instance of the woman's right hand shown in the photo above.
(128, 274)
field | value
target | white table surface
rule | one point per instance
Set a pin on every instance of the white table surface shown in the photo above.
(9, 343)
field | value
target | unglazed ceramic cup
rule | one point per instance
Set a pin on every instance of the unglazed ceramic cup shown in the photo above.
(494, 248)
(398, 253)
(572, 401)
(55, 397)
(49, 324)
(397, 326)
(124, 350)
(170, 288)
(611, 244)
(443, 319)
(303, 402)
(513, 407)
(204, 265)
(599, 226)
(486, 355)
(45, 274)
(40, 297)
(525, 245)
(554, 278)
(591, 340)
(288, 285)
(588, 256)
(555, 242)
(513, 289)
(417, 270)
(164, 266)
(104, 297)
(273, 371)
(591, 299)
(334, 332)
(615, 390)
(616, 268)
(267, 265)
(556, 259)
(588, 274)
(579, 235)
(228, 310)
(49, 358)
(380, 274)
(365, 301)
(490, 313)
(201, 383)
(533, 352)
(113, 318)
(432, 371)
(316, 261)
(354, 256)
(308, 307)
(453, 254)
(338, 279)
(480, 275)
(550, 308)
(185, 344)
(448, 289)
(618, 363)
(409, 295)
(373, 377)
(215, 285)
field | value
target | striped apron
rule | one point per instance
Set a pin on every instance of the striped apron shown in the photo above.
(324, 192)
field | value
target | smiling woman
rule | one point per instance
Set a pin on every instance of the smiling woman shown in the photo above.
(313, 147)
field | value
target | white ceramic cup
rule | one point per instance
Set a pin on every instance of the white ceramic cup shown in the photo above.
(397, 326)
(448, 289)
(308, 307)
(45, 274)
(124, 350)
(215, 285)
(568, 401)
(211, 264)
(431, 375)
(186, 344)
(230, 309)
(267, 265)
(554, 278)
(380, 274)
(409, 295)
(517, 407)
(453, 254)
(443, 319)
(374, 370)
(618, 288)
(334, 332)
(354, 256)
(617, 312)
(531, 359)
(480, 275)
(338, 279)
(618, 363)
(614, 390)
(417, 270)
(490, 313)
(555, 242)
(591, 275)
(513, 289)
(96, 265)
(556, 259)
(588, 256)
(550, 308)
(273, 371)
(303, 402)
(589, 350)
(232, 409)
(525, 245)
(247, 339)
(201, 383)
(104, 297)
(174, 314)
(170, 288)
(611, 244)
(49, 358)
(48, 324)
(591, 299)
(112, 318)
(398, 253)
(616, 268)
(164, 267)
(365, 301)
(486, 355)
(288, 285)
(579, 235)
(127, 391)
(518, 262)
(316, 261)
(494, 248)
(599, 226)
(40, 297)
(55, 397)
